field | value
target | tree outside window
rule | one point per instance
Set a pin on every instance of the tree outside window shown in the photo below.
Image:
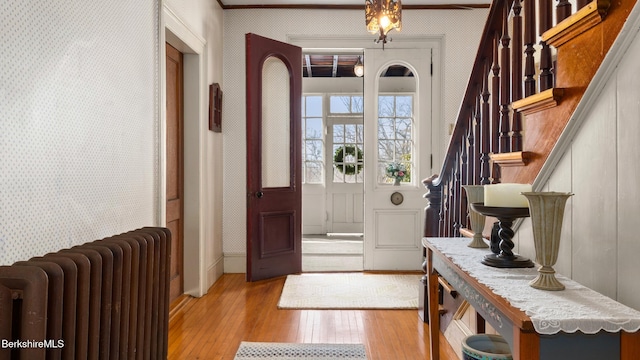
(312, 140)
(395, 135)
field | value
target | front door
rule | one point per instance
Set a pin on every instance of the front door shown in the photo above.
(274, 179)
(345, 177)
(398, 124)
(175, 173)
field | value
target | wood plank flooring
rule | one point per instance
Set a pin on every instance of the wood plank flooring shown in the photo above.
(213, 326)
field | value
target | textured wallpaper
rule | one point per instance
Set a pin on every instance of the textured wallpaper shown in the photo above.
(457, 27)
(78, 129)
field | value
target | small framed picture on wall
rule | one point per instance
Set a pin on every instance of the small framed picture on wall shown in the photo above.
(215, 108)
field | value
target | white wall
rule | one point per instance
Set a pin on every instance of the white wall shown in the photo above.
(460, 29)
(81, 135)
(600, 244)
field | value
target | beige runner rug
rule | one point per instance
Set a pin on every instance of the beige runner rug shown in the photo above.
(350, 291)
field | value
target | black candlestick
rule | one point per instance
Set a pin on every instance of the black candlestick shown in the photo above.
(504, 258)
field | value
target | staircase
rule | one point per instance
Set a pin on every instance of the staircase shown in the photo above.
(528, 78)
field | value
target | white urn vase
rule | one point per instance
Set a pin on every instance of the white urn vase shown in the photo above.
(475, 194)
(547, 213)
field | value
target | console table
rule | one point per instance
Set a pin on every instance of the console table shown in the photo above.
(576, 323)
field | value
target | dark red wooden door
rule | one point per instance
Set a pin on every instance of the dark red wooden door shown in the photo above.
(274, 187)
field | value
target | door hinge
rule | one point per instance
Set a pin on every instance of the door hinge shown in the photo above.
(431, 159)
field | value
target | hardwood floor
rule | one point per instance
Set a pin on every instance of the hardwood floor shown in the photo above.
(213, 326)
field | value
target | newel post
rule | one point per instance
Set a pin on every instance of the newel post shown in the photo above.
(432, 211)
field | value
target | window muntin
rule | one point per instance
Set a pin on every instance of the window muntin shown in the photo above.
(348, 153)
(346, 104)
(312, 139)
(395, 135)
(346, 116)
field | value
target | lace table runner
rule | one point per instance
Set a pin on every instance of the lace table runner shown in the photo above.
(577, 308)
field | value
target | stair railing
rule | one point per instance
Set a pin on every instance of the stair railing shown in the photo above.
(489, 127)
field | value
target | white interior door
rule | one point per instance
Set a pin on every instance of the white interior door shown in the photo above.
(393, 232)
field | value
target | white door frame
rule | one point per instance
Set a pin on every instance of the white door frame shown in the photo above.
(435, 129)
(178, 34)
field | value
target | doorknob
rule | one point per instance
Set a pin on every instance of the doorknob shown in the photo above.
(259, 194)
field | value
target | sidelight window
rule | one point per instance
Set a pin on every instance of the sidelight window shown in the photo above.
(312, 140)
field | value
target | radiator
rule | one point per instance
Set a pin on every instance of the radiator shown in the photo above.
(106, 299)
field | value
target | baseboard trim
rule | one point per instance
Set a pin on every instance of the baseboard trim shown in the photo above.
(178, 304)
(235, 263)
(215, 271)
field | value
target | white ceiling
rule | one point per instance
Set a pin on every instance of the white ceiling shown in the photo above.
(345, 2)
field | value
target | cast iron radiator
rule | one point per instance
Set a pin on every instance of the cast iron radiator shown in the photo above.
(106, 299)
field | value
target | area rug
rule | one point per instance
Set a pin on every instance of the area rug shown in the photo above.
(288, 351)
(350, 291)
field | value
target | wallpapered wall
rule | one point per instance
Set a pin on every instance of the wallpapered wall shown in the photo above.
(78, 129)
(460, 46)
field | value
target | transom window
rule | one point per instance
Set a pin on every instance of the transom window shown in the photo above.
(346, 104)
(395, 135)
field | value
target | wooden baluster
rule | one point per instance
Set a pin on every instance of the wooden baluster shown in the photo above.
(449, 218)
(563, 10)
(505, 86)
(432, 211)
(452, 204)
(464, 174)
(495, 174)
(485, 128)
(477, 165)
(447, 212)
(516, 77)
(529, 41)
(545, 18)
(469, 169)
(455, 193)
(443, 213)
(495, 99)
(582, 3)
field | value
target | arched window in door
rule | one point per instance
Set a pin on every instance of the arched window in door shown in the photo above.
(395, 136)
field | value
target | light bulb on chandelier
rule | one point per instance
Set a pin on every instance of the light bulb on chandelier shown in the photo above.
(382, 16)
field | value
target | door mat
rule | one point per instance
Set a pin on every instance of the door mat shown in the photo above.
(289, 351)
(350, 291)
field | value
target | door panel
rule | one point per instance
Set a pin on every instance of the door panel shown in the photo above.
(393, 232)
(175, 173)
(274, 187)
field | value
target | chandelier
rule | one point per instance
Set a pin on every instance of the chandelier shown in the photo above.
(383, 16)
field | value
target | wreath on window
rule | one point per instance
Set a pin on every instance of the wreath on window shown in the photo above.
(348, 169)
